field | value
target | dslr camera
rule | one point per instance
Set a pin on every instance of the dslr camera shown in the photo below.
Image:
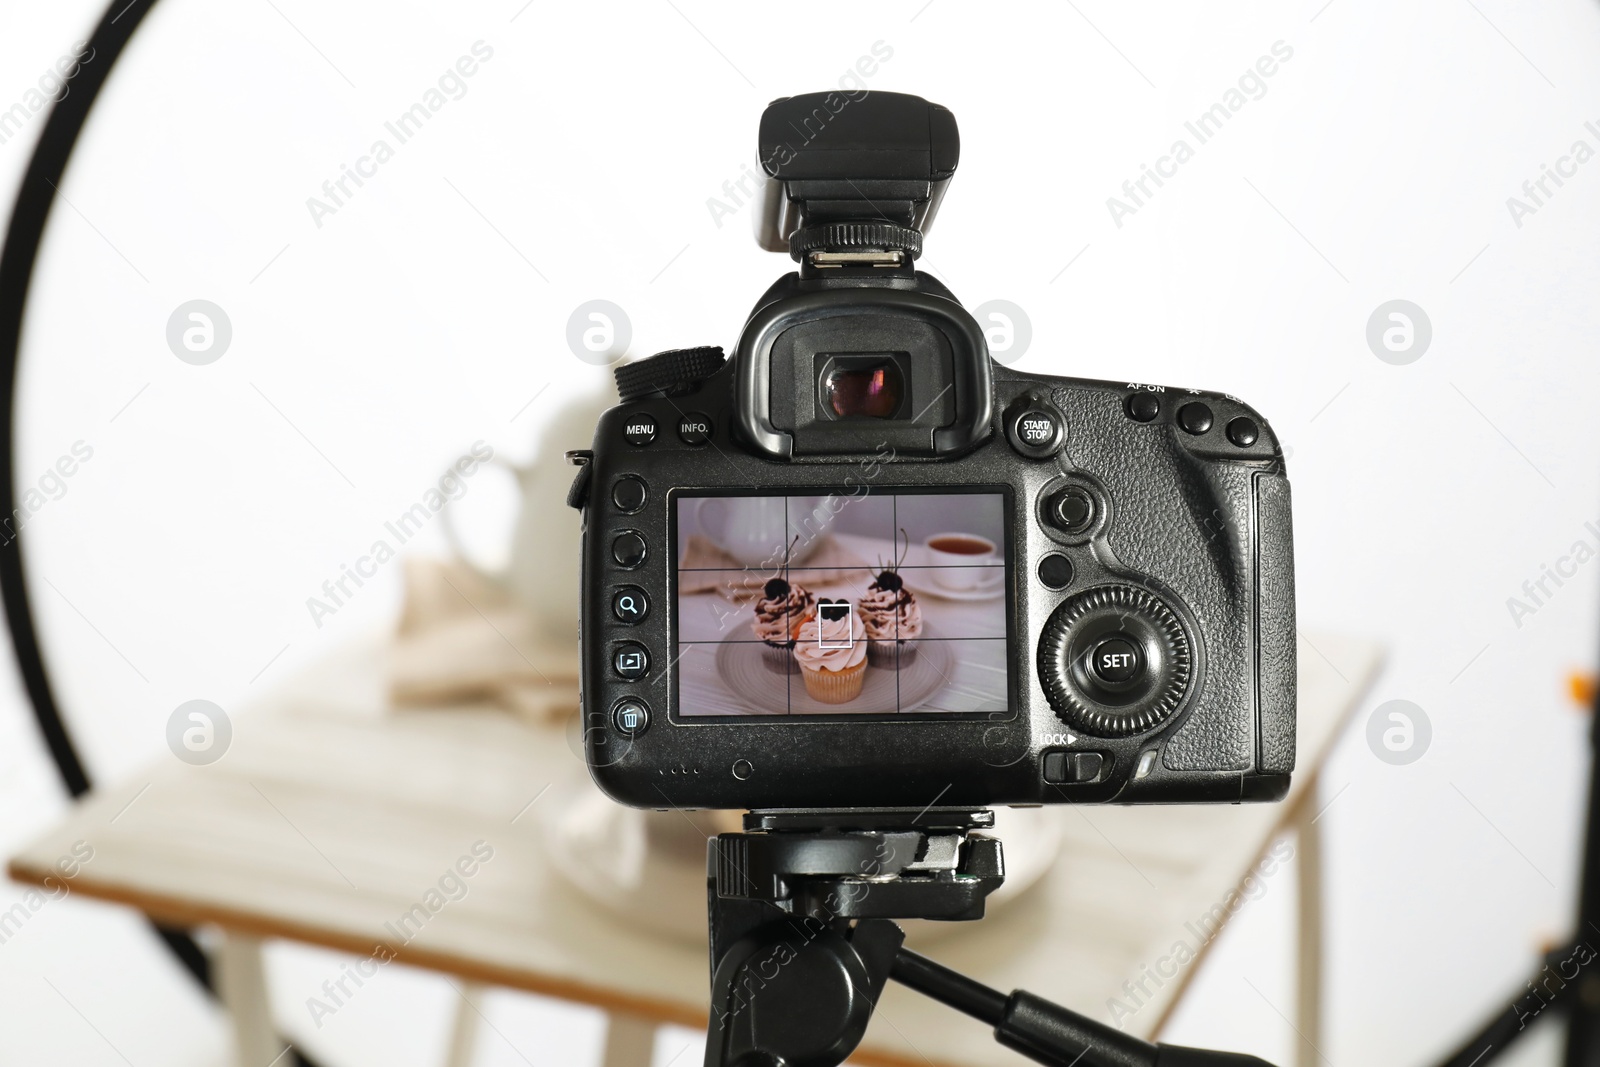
(859, 564)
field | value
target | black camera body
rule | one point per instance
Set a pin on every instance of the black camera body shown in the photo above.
(862, 565)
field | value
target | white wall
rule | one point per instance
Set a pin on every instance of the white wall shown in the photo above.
(432, 307)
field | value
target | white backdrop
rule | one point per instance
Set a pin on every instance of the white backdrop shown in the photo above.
(373, 345)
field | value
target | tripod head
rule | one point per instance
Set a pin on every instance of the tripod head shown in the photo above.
(802, 942)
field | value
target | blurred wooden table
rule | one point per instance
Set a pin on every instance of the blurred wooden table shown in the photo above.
(331, 819)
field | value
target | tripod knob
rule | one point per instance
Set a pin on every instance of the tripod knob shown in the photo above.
(668, 372)
(797, 993)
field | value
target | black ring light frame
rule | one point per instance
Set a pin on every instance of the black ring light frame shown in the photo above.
(23, 237)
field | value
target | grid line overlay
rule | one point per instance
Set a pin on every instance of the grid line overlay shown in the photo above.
(957, 665)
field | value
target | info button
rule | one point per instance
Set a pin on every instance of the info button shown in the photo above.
(694, 428)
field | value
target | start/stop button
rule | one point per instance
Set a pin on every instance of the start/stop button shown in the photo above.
(1035, 427)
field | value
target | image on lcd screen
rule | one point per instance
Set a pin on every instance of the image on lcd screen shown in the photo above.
(867, 604)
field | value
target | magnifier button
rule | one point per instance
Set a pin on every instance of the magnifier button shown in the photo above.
(630, 605)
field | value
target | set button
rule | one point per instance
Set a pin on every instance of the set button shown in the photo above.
(1116, 661)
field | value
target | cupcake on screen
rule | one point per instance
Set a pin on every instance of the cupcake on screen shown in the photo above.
(832, 654)
(780, 613)
(891, 620)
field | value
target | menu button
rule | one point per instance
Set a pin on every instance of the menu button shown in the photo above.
(639, 429)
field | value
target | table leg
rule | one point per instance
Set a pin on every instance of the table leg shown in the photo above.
(1308, 984)
(464, 1031)
(242, 983)
(630, 1041)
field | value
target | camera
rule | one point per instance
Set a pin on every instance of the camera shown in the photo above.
(860, 564)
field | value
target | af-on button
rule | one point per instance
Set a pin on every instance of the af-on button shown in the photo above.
(1142, 406)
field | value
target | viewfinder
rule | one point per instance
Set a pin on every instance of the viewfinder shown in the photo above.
(863, 386)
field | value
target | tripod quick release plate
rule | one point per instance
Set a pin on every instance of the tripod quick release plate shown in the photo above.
(923, 865)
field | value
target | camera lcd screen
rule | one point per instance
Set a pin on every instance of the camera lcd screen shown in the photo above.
(880, 604)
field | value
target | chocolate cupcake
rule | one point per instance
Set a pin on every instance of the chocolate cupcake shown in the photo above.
(891, 618)
(833, 665)
(781, 611)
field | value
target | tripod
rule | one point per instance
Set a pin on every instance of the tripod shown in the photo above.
(803, 942)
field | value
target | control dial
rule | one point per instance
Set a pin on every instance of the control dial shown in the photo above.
(670, 372)
(1114, 661)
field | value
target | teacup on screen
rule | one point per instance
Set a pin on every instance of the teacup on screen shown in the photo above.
(963, 562)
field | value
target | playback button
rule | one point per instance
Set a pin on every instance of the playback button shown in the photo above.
(630, 661)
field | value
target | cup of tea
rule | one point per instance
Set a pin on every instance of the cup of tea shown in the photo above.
(964, 563)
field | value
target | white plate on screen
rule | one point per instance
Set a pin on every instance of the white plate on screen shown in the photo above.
(742, 667)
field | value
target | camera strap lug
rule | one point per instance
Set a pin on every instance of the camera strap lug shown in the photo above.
(578, 495)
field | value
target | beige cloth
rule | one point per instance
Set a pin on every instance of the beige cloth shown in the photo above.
(461, 640)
